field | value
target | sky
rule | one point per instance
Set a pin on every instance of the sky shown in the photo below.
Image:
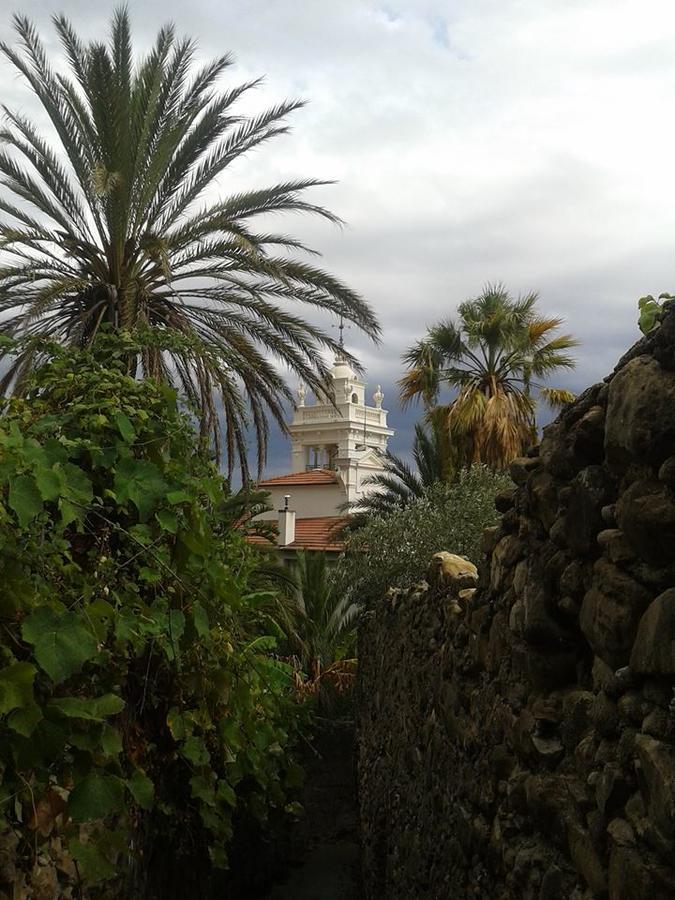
(523, 141)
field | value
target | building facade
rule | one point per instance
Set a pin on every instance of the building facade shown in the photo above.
(337, 443)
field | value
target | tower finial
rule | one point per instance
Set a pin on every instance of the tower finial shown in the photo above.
(341, 339)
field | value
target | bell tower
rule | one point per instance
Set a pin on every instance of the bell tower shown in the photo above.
(348, 436)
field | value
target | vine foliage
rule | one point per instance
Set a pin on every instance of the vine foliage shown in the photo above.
(141, 704)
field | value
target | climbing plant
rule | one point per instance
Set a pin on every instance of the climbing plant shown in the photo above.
(142, 708)
(650, 310)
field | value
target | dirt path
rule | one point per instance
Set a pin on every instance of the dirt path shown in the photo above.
(324, 843)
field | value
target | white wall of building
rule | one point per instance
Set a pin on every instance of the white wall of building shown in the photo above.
(308, 500)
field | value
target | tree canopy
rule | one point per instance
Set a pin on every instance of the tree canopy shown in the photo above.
(119, 223)
(496, 358)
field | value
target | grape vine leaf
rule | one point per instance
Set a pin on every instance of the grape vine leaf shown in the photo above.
(16, 686)
(91, 862)
(140, 481)
(62, 642)
(25, 498)
(142, 789)
(95, 796)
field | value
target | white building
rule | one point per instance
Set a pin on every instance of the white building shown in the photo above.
(336, 445)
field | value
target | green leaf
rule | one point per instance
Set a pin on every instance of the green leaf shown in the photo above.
(100, 615)
(176, 628)
(226, 792)
(175, 497)
(195, 751)
(78, 485)
(25, 720)
(50, 483)
(200, 619)
(25, 499)
(62, 643)
(202, 789)
(95, 796)
(94, 709)
(16, 686)
(125, 427)
(168, 520)
(139, 481)
(142, 789)
(176, 722)
(91, 863)
(111, 741)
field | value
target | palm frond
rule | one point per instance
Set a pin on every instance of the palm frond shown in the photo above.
(110, 229)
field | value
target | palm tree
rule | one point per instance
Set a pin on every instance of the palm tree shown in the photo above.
(322, 625)
(400, 484)
(119, 226)
(496, 357)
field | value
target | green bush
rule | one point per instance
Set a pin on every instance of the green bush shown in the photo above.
(394, 550)
(141, 706)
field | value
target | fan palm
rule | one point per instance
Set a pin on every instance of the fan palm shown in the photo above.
(400, 484)
(496, 357)
(117, 227)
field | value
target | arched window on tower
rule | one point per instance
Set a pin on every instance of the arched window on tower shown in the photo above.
(355, 398)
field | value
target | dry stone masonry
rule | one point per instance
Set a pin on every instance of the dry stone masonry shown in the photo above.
(518, 741)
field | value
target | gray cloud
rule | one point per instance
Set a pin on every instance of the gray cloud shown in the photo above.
(522, 140)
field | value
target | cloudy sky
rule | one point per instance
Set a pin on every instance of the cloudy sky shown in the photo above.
(528, 141)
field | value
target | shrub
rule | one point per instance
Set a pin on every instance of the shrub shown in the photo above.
(395, 550)
(140, 706)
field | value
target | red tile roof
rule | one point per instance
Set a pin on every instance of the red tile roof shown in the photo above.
(312, 476)
(311, 534)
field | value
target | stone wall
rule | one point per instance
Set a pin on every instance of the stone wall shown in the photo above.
(519, 741)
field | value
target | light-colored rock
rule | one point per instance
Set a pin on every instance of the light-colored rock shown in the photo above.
(447, 567)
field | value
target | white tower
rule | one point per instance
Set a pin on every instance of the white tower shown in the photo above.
(349, 436)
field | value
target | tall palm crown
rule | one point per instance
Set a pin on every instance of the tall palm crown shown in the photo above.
(495, 358)
(113, 228)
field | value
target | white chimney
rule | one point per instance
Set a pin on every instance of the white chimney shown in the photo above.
(286, 524)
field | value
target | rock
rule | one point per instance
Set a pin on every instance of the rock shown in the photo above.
(654, 648)
(667, 472)
(633, 706)
(588, 434)
(577, 717)
(657, 762)
(521, 468)
(590, 491)
(586, 858)
(640, 422)
(611, 611)
(549, 748)
(572, 579)
(541, 488)
(633, 876)
(621, 833)
(504, 500)
(657, 724)
(504, 556)
(614, 543)
(646, 515)
(605, 715)
(448, 568)
(489, 539)
(612, 790)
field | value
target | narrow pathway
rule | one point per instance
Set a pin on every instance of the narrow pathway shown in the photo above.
(324, 862)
